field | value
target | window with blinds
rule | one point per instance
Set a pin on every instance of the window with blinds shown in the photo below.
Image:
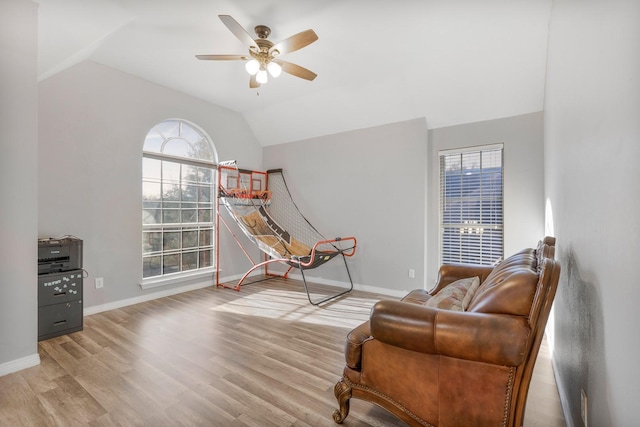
(471, 205)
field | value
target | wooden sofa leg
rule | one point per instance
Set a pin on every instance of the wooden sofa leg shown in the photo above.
(342, 392)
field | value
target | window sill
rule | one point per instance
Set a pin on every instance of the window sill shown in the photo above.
(176, 278)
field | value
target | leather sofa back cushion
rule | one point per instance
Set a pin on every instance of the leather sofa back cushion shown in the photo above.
(510, 287)
(455, 296)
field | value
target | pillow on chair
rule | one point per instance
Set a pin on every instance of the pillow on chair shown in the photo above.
(455, 296)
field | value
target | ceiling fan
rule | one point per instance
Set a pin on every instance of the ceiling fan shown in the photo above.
(264, 54)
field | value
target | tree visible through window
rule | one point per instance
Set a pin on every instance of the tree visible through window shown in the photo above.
(178, 173)
(471, 205)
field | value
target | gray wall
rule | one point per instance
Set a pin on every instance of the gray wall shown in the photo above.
(382, 185)
(592, 147)
(93, 121)
(522, 137)
(18, 185)
(370, 184)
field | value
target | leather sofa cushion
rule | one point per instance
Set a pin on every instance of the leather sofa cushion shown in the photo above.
(455, 296)
(417, 296)
(510, 287)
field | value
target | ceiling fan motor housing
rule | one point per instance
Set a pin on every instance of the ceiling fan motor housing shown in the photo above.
(262, 31)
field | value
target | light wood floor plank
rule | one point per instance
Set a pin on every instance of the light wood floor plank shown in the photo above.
(213, 357)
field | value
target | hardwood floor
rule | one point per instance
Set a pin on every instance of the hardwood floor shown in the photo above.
(259, 357)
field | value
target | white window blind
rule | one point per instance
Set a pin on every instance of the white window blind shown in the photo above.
(471, 205)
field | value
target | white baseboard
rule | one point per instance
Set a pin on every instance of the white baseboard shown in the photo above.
(19, 364)
(191, 287)
(151, 296)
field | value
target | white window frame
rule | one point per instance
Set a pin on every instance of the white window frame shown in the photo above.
(474, 235)
(200, 161)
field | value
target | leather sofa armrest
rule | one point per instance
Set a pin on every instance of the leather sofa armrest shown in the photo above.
(449, 273)
(490, 338)
(353, 345)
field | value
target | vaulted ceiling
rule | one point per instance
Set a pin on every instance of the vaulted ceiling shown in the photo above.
(378, 62)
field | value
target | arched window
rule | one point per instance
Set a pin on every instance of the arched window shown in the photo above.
(178, 181)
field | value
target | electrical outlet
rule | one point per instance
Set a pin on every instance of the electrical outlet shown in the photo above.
(412, 273)
(99, 282)
(583, 407)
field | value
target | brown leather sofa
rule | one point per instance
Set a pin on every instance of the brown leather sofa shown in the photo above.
(467, 364)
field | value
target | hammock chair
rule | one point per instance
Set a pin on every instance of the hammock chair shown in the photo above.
(262, 206)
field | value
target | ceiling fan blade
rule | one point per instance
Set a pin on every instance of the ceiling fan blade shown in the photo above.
(222, 57)
(295, 42)
(253, 83)
(237, 30)
(296, 70)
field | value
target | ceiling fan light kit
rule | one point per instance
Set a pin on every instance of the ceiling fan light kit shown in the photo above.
(261, 77)
(252, 66)
(274, 69)
(263, 52)
(262, 62)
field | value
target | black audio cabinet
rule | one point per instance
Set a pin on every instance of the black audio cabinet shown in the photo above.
(60, 283)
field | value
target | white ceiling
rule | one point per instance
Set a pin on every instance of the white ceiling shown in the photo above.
(378, 62)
